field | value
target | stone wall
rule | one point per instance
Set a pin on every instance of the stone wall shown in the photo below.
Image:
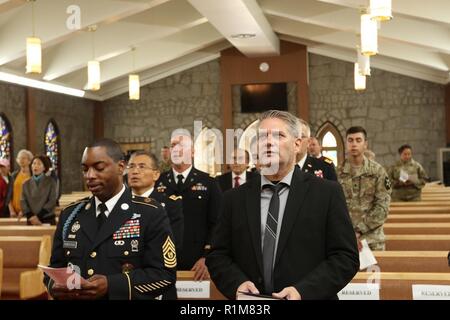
(74, 118)
(394, 109)
(12, 105)
(165, 105)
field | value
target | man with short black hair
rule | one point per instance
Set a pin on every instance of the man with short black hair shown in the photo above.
(367, 190)
(122, 245)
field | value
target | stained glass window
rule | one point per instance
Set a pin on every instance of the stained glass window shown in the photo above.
(5, 138)
(52, 144)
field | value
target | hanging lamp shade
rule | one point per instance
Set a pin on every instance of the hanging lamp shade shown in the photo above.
(363, 62)
(369, 35)
(134, 87)
(93, 75)
(34, 55)
(381, 10)
(360, 81)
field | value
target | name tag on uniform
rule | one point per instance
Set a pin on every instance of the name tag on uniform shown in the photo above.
(70, 244)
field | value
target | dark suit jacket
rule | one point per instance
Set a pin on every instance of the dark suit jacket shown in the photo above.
(225, 180)
(319, 167)
(317, 251)
(202, 202)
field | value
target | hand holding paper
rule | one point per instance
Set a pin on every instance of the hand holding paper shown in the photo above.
(64, 276)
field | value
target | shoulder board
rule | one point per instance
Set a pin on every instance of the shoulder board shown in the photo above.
(327, 160)
(76, 202)
(145, 201)
(175, 198)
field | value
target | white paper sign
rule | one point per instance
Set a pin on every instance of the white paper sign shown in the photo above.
(366, 257)
(430, 292)
(193, 289)
(360, 291)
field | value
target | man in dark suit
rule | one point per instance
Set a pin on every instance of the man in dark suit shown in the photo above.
(310, 164)
(238, 175)
(201, 203)
(122, 245)
(284, 233)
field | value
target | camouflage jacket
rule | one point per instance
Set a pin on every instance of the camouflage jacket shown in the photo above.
(416, 174)
(367, 192)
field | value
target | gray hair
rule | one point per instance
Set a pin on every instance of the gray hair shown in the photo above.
(305, 129)
(25, 152)
(293, 124)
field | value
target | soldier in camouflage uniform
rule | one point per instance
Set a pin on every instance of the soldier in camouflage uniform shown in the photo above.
(367, 190)
(408, 177)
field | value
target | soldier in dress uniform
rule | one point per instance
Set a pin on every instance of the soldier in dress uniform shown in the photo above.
(367, 190)
(408, 177)
(121, 244)
(201, 203)
(312, 165)
(143, 172)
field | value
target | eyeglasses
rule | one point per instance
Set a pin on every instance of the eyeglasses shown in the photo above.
(140, 167)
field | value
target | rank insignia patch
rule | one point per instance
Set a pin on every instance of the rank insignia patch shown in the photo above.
(170, 257)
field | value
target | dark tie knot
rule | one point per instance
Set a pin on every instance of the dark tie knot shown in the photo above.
(276, 188)
(180, 178)
(103, 208)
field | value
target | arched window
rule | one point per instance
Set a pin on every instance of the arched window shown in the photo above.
(332, 143)
(5, 138)
(208, 151)
(52, 141)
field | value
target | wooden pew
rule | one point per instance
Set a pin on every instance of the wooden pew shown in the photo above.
(418, 217)
(189, 276)
(417, 209)
(1, 271)
(417, 228)
(398, 286)
(22, 278)
(412, 261)
(13, 222)
(27, 231)
(417, 242)
(428, 203)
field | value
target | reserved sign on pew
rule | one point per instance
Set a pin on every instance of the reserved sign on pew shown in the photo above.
(430, 292)
(193, 289)
(360, 291)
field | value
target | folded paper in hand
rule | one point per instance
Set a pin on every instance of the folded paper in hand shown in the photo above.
(366, 257)
(404, 176)
(64, 276)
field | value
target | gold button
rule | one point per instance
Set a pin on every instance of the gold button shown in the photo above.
(68, 253)
(90, 272)
(93, 254)
(126, 253)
